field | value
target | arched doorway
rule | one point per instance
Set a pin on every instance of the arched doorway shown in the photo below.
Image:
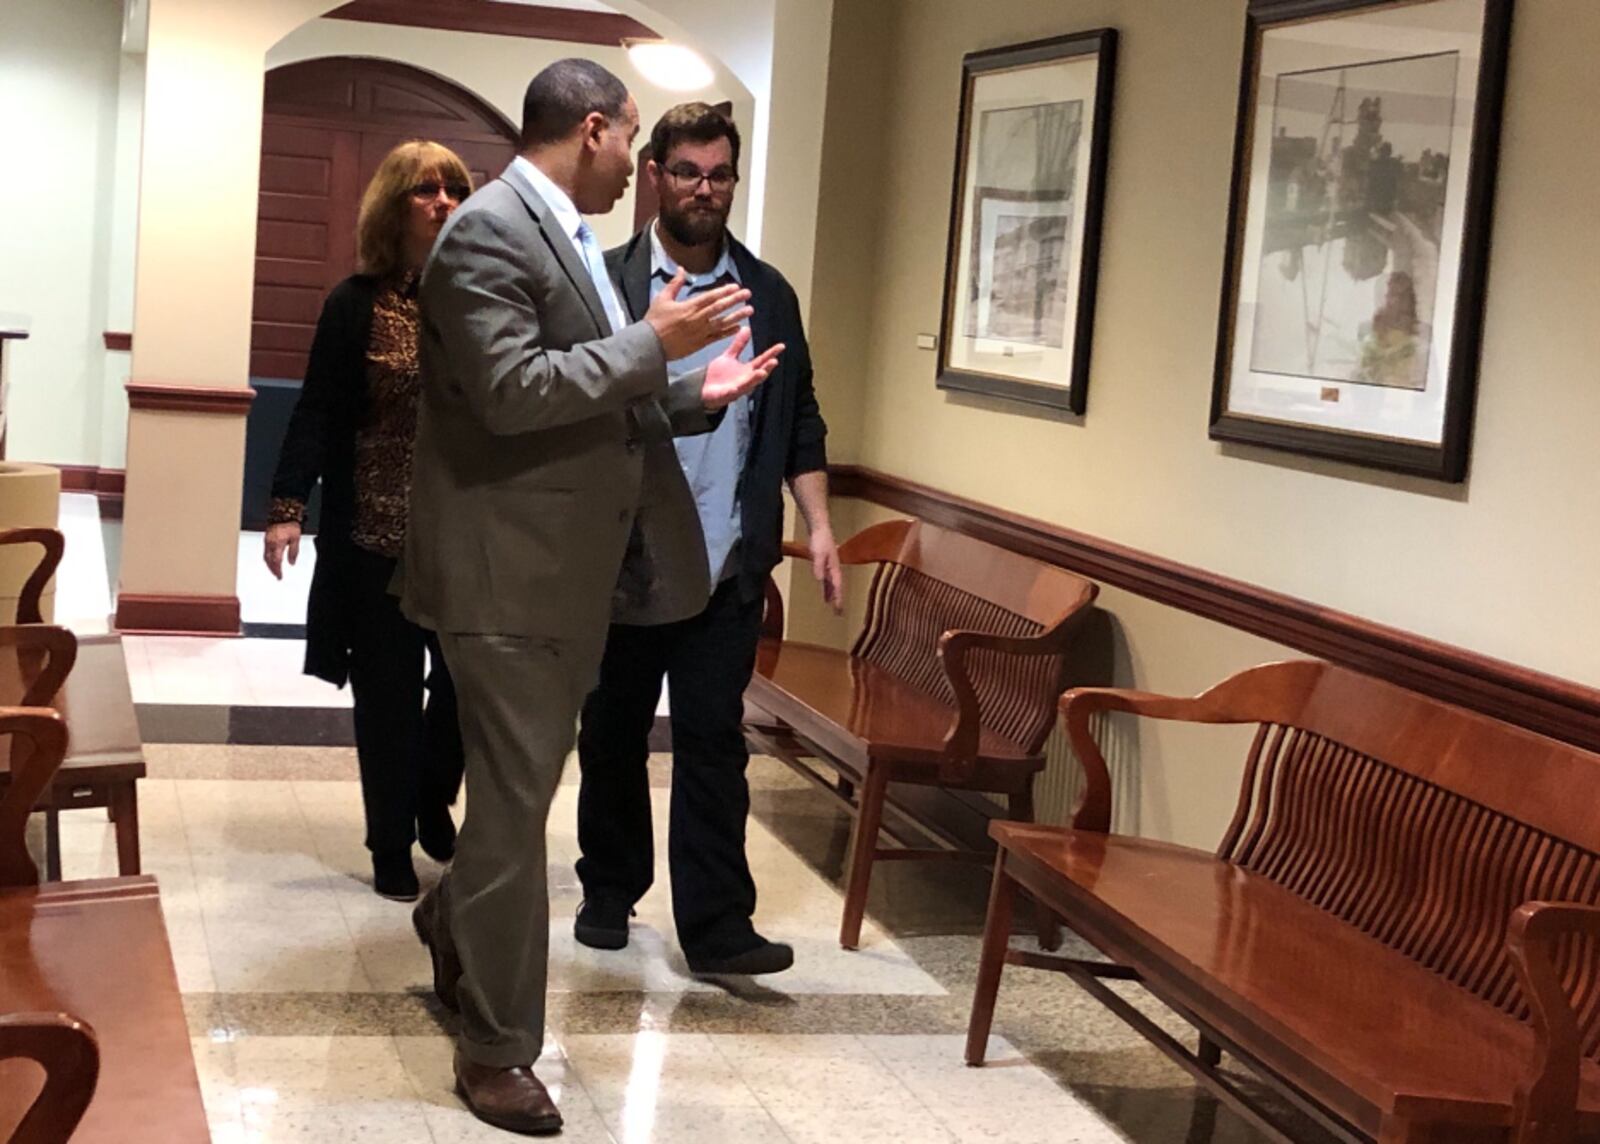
(326, 125)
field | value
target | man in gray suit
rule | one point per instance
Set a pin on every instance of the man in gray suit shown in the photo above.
(538, 397)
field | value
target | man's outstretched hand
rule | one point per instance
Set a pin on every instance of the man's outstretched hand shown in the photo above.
(691, 325)
(728, 378)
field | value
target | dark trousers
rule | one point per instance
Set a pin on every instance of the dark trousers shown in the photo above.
(410, 755)
(707, 661)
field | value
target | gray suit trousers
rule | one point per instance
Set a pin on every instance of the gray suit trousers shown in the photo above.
(519, 701)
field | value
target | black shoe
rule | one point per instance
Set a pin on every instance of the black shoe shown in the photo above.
(766, 957)
(602, 924)
(436, 833)
(394, 878)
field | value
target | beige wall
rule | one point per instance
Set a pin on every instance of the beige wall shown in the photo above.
(58, 112)
(1503, 565)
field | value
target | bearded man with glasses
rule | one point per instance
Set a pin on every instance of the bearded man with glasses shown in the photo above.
(715, 566)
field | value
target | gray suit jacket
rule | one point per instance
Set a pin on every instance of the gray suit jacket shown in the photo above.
(530, 436)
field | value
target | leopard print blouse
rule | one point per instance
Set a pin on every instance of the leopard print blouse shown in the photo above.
(384, 439)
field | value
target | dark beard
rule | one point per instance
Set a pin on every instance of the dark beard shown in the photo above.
(695, 228)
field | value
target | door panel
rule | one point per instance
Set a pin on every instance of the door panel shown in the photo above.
(326, 127)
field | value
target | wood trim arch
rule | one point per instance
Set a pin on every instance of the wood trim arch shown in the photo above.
(534, 21)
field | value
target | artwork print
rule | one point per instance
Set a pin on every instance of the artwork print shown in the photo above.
(1024, 238)
(1027, 170)
(1354, 294)
(1354, 221)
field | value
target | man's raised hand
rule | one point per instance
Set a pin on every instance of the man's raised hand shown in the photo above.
(695, 323)
(728, 378)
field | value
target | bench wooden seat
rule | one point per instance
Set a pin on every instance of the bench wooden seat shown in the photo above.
(98, 950)
(951, 683)
(879, 714)
(1367, 937)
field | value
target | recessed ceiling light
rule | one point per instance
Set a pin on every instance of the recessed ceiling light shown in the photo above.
(670, 66)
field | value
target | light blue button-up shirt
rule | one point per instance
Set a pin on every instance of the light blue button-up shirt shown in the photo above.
(713, 462)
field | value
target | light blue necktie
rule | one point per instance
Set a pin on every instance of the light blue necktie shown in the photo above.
(589, 247)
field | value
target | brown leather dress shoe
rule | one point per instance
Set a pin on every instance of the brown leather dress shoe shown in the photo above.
(435, 934)
(513, 1099)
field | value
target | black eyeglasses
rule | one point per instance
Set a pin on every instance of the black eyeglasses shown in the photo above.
(686, 177)
(455, 192)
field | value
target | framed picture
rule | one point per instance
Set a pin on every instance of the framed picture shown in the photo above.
(1362, 188)
(1019, 271)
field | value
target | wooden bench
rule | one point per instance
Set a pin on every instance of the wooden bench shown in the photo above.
(84, 964)
(87, 681)
(1399, 930)
(952, 682)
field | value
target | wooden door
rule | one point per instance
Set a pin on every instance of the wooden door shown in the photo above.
(326, 126)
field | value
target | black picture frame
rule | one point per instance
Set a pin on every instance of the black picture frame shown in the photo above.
(1447, 458)
(1068, 392)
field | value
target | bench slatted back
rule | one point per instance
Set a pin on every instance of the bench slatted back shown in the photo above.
(930, 581)
(1423, 825)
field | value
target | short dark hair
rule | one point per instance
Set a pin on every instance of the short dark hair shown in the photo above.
(696, 123)
(563, 94)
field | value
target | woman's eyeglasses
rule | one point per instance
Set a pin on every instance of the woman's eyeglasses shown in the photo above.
(455, 192)
(686, 177)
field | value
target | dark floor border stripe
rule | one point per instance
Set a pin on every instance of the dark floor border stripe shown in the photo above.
(276, 726)
(253, 631)
(254, 726)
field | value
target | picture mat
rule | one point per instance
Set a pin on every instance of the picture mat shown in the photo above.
(1059, 81)
(1423, 29)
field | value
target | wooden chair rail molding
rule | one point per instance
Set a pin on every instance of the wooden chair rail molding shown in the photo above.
(1544, 703)
(148, 396)
(532, 20)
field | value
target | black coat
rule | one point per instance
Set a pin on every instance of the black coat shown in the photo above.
(320, 444)
(787, 431)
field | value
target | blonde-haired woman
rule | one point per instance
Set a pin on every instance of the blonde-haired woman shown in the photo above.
(353, 429)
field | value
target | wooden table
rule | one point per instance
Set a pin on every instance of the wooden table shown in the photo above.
(105, 758)
(98, 950)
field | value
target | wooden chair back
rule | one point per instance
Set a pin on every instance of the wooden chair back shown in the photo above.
(39, 744)
(67, 1051)
(1421, 824)
(931, 581)
(30, 601)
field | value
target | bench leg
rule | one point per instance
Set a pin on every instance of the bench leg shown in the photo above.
(1210, 1053)
(996, 938)
(863, 848)
(125, 813)
(52, 845)
(1048, 925)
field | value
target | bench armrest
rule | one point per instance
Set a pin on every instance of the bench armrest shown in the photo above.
(961, 740)
(67, 1050)
(38, 744)
(54, 544)
(1547, 1104)
(1093, 811)
(46, 654)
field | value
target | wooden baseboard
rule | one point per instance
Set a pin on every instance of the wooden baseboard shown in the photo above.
(106, 484)
(177, 615)
(1547, 704)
